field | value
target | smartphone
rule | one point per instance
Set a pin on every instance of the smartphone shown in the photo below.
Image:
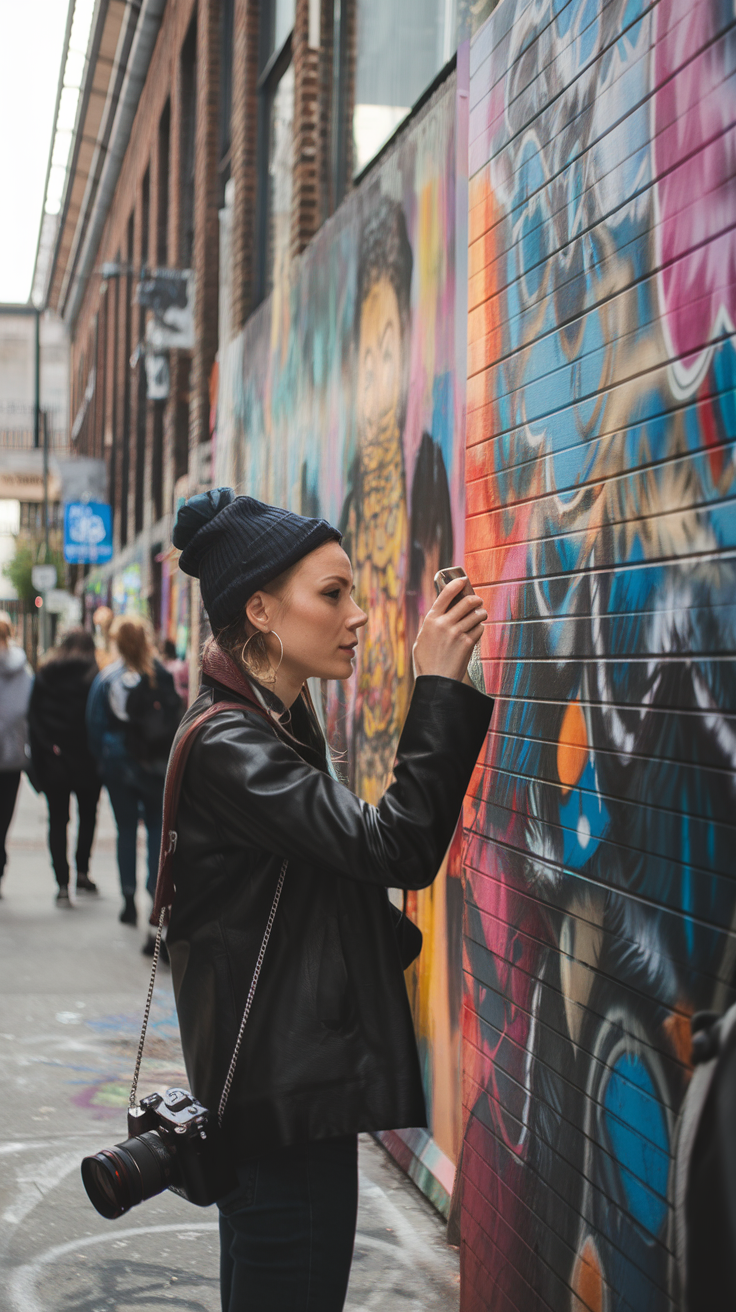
(474, 675)
(445, 576)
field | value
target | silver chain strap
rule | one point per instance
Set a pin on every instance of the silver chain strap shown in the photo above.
(251, 994)
(147, 1012)
(248, 1003)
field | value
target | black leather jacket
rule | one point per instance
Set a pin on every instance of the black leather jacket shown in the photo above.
(329, 1048)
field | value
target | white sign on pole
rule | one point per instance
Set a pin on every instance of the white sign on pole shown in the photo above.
(43, 577)
(57, 600)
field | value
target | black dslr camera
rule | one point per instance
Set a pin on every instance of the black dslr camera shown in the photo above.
(175, 1144)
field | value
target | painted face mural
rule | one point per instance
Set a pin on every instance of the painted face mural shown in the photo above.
(375, 519)
(340, 399)
(601, 470)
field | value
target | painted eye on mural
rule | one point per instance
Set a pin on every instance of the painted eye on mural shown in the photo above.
(369, 381)
(388, 360)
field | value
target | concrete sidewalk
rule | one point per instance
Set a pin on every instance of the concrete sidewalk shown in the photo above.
(73, 988)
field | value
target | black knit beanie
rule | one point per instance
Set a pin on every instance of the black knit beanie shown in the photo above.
(236, 545)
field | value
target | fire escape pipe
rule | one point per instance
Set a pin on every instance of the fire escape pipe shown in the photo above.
(141, 51)
(122, 52)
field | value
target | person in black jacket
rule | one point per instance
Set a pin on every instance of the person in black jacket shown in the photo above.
(62, 762)
(329, 1047)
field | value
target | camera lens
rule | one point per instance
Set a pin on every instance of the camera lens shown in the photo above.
(118, 1178)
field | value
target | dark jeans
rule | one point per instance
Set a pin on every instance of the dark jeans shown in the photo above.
(140, 796)
(287, 1231)
(58, 796)
(9, 781)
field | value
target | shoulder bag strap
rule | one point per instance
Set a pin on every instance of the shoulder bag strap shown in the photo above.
(172, 790)
(165, 888)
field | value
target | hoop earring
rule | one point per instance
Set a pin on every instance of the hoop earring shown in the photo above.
(281, 657)
(243, 649)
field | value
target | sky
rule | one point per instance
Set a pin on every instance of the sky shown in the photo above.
(31, 43)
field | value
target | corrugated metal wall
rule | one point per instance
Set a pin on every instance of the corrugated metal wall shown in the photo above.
(600, 888)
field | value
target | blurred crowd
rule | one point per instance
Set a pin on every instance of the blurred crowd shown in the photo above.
(101, 711)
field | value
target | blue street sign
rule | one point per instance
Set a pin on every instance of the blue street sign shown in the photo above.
(87, 532)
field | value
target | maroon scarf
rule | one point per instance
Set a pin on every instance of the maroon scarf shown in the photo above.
(217, 665)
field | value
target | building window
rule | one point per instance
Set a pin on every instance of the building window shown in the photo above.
(113, 335)
(157, 460)
(127, 309)
(227, 20)
(140, 411)
(280, 170)
(162, 227)
(276, 136)
(400, 49)
(188, 143)
(277, 23)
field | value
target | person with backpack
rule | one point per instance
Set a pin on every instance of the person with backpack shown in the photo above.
(133, 713)
(62, 761)
(16, 681)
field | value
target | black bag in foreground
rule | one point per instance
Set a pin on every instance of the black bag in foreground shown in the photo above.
(705, 1169)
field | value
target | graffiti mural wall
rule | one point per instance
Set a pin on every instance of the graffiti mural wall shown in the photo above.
(600, 878)
(344, 396)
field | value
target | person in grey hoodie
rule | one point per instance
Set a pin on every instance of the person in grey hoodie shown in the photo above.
(16, 681)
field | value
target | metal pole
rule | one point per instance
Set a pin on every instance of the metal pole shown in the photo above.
(44, 611)
(46, 483)
(37, 389)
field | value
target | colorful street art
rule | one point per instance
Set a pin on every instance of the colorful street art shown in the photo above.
(127, 594)
(600, 898)
(344, 396)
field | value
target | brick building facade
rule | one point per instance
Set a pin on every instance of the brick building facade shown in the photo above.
(200, 118)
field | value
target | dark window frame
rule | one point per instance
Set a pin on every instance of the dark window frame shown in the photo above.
(127, 381)
(157, 459)
(341, 107)
(113, 309)
(225, 95)
(163, 185)
(268, 82)
(187, 144)
(142, 400)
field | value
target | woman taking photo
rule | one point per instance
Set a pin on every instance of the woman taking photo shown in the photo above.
(132, 716)
(329, 1047)
(62, 761)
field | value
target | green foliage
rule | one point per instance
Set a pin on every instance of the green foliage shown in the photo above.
(30, 552)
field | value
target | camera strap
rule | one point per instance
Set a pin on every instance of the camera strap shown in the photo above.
(172, 789)
(246, 1012)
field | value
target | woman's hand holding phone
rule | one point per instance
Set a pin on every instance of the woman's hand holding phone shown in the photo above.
(450, 631)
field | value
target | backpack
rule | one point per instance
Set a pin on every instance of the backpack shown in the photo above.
(705, 1169)
(153, 713)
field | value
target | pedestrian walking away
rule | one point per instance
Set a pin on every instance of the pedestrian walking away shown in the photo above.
(177, 667)
(103, 620)
(329, 1047)
(62, 761)
(16, 681)
(132, 716)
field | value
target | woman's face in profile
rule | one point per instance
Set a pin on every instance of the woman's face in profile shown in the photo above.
(317, 618)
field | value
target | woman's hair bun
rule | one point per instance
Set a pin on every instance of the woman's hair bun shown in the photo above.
(198, 511)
